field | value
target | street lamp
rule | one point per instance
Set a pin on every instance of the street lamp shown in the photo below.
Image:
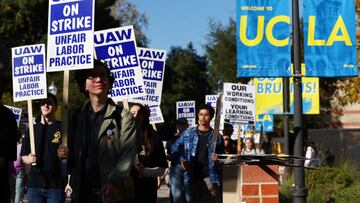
(52, 88)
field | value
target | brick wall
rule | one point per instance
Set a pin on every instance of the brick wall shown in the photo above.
(259, 184)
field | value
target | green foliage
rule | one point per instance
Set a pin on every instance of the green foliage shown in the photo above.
(329, 184)
(221, 53)
(127, 14)
(185, 79)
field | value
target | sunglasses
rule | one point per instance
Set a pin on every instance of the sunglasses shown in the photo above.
(47, 101)
(102, 76)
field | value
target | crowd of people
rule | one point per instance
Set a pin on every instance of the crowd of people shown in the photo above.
(112, 154)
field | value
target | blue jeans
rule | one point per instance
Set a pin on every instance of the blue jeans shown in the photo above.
(18, 187)
(42, 195)
(179, 189)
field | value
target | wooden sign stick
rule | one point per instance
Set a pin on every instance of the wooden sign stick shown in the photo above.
(65, 107)
(31, 129)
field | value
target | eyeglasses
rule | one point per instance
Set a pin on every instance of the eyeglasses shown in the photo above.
(102, 76)
(47, 101)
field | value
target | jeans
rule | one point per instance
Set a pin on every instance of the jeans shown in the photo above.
(42, 195)
(179, 189)
(18, 187)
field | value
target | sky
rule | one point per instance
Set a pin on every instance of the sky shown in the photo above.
(177, 22)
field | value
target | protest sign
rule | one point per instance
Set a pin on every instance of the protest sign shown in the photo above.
(70, 35)
(152, 62)
(239, 103)
(117, 48)
(330, 38)
(186, 109)
(156, 115)
(211, 100)
(29, 73)
(17, 112)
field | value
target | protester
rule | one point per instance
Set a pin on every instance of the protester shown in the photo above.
(17, 172)
(102, 142)
(228, 142)
(202, 174)
(176, 174)
(249, 147)
(46, 183)
(151, 162)
(8, 133)
(312, 156)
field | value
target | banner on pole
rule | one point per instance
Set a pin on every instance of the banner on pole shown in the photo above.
(262, 38)
(330, 38)
(239, 103)
(186, 109)
(266, 121)
(29, 72)
(269, 95)
(117, 48)
(152, 62)
(70, 42)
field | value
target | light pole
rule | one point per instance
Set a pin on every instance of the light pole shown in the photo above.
(52, 88)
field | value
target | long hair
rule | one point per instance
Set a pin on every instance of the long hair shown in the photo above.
(146, 128)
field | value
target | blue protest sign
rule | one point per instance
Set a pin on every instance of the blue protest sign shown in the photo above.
(266, 121)
(70, 35)
(330, 38)
(152, 62)
(16, 112)
(211, 100)
(29, 73)
(186, 109)
(262, 38)
(117, 48)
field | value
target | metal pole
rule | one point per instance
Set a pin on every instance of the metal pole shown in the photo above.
(299, 189)
(286, 101)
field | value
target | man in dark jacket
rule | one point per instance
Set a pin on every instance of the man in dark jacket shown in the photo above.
(102, 143)
(8, 133)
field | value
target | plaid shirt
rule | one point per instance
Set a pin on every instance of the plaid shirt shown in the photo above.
(189, 140)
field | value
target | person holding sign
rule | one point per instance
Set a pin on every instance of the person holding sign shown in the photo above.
(151, 162)
(46, 180)
(202, 175)
(102, 142)
(8, 133)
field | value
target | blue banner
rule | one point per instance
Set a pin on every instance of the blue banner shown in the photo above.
(330, 38)
(262, 38)
(266, 121)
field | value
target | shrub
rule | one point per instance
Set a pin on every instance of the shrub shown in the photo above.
(329, 184)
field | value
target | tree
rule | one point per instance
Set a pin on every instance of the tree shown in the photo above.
(185, 79)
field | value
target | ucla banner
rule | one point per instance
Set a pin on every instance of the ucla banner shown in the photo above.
(330, 38)
(262, 38)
